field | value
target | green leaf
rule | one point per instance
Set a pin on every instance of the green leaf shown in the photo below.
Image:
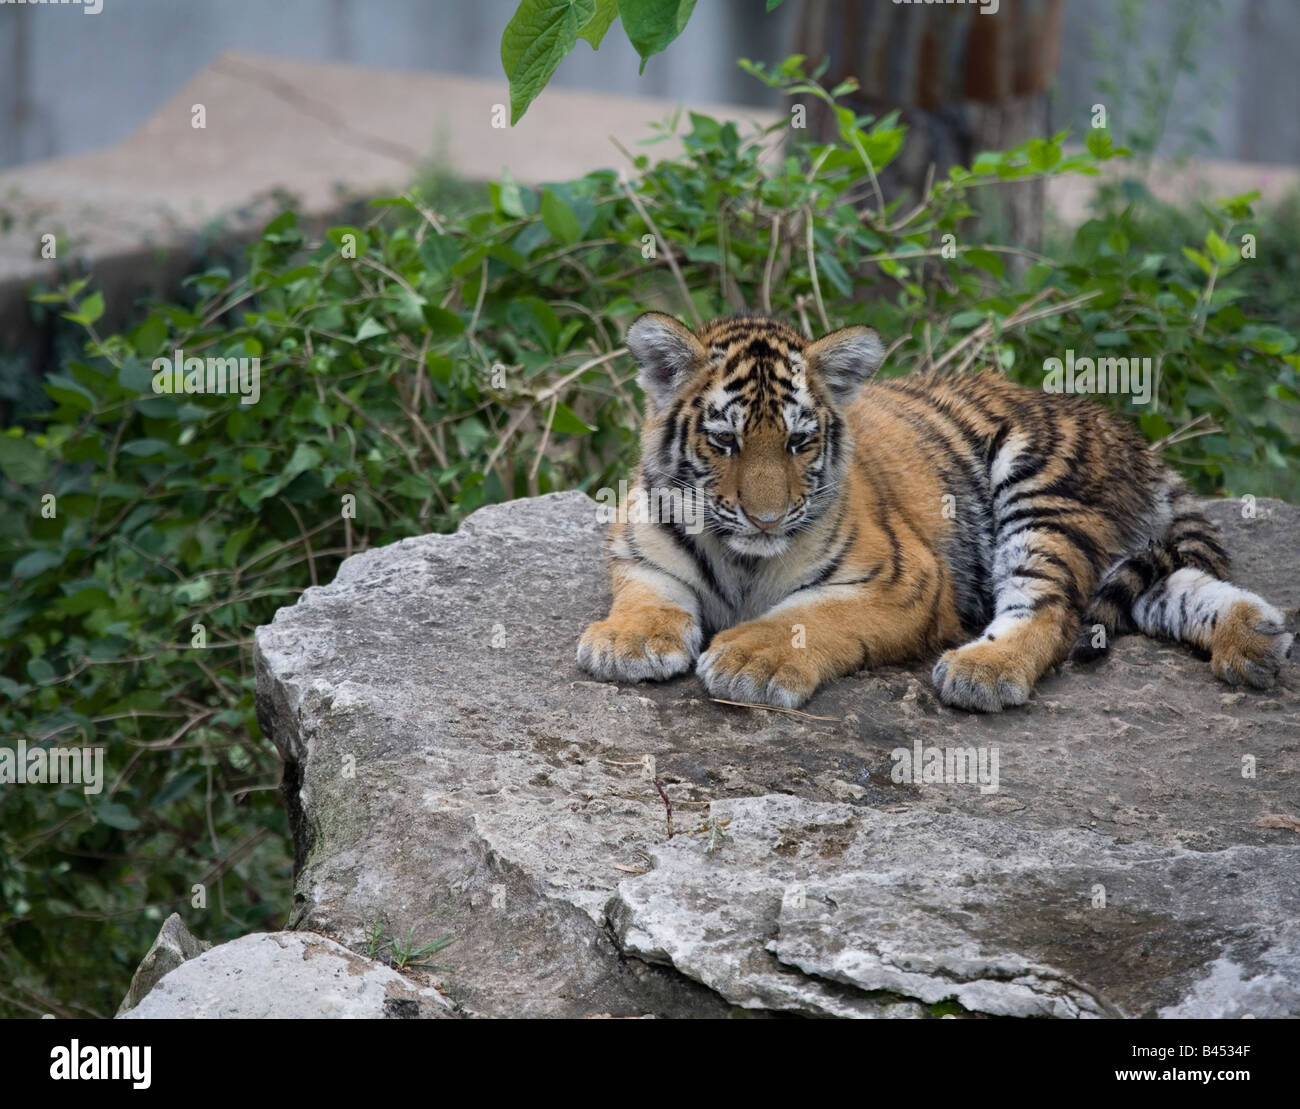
(116, 815)
(1099, 143)
(92, 308)
(21, 460)
(440, 367)
(1042, 154)
(538, 37)
(439, 253)
(134, 376)
(177, 787)
(1036, 276)
(356, 247)
(834, 273)
(985, 260)
(36, 562)
(652, 24)
(83, 601)
(305, 457)
(370, 327)
(559, 219)
(1221, 250)
(442, 323)
(150, 336)
(66, 391)
(772, 5)
(515, 202)
(566, 422)
(191, 592)
(146, 448)
(594, 31)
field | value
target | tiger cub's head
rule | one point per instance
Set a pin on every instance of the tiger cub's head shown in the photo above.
(747, 417)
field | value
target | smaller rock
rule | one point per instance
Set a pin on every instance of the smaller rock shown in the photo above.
(174, 945)
(840, 789)
(287, 976)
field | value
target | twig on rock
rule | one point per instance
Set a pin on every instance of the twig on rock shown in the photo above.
(776, 708)
(668, 805)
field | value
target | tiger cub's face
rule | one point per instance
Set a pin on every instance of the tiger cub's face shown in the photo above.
(747, 417)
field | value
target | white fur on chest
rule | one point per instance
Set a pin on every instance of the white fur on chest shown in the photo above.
(743, 592)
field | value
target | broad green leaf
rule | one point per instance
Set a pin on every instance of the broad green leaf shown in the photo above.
(36, 562)
(92, 307)
(559, 219)
(442, 323)
(439, 252)
(834, 273)
(652, 24)
(116, 815)
(66, 391)
(177, 787)
(985, 260)
(1042, 154)
(538, 37)
(150, 336)
(1099, 142)
(191, 592)
(1221, 250)
(566, 422)
(21, 460)
(305, 457)
(146, 448)
(351, 240)
(594, 31)
(83, 601)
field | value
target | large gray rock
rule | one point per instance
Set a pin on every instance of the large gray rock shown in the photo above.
(286, 976)
(449, 769)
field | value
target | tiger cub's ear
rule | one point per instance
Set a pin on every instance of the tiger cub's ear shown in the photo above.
(845, 360)
(666, 354)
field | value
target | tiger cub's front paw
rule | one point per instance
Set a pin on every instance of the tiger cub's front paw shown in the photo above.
(653, 645)
(758, 663)
(982, 677)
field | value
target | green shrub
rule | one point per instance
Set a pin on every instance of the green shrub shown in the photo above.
(422, 365)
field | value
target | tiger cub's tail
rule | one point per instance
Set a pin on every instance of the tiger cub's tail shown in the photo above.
(1178, 589)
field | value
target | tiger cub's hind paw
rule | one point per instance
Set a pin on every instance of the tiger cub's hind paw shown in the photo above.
(1249, 644)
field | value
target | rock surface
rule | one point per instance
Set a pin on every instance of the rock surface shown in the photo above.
(450, 770)
(286, 976)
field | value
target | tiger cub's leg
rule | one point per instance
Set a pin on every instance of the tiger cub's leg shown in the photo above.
(1245, 635)
(652, 631)
(1036, 575)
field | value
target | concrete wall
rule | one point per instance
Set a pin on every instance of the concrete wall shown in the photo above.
(71, 82)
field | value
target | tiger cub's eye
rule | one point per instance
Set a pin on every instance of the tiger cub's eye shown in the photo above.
(800, 441)
(724, 440)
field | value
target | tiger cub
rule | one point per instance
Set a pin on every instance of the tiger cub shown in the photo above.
(841, 523)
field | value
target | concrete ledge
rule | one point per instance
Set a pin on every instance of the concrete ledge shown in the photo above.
(324, 133)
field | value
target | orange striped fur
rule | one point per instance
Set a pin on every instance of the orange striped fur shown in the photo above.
(848, 522)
